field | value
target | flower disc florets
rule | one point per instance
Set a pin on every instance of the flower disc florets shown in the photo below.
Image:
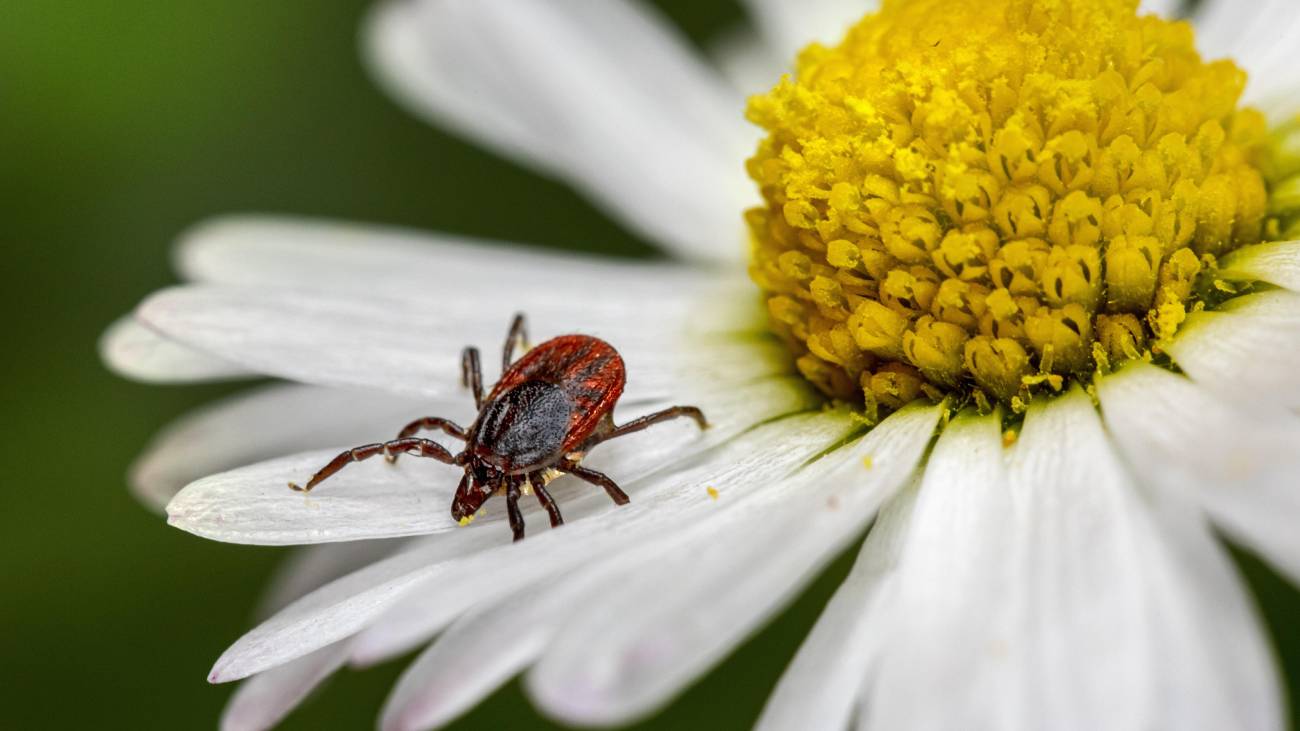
(994, 197)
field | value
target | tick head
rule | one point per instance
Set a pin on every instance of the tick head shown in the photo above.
(473, 491)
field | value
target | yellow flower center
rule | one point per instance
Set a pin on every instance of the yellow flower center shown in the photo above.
(990, 198)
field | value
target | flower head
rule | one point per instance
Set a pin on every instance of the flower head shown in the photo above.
(997, 198)
(1038, 252)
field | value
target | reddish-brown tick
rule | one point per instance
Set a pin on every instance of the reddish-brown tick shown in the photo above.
(545, 413)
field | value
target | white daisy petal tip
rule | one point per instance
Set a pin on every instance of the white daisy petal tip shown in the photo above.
(254, 505)
(218, 676)
(203, 250)
(268, 422)
(133, 350)
(264, 700)
(150, 483)
(582, 701)
(415, 716)
(155, 312)
(227, 670)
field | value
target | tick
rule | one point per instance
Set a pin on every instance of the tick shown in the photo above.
(541, 418)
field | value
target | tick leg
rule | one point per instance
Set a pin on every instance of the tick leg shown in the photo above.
(471, 375)
(637, 425)
(518, 334)
(539, 489)
(428, 422)
(416, 447)
(512, 508)
(596, 478)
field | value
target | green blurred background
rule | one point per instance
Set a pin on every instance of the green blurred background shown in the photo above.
(121, 123)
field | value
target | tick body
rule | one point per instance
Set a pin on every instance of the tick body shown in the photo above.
(548, 410)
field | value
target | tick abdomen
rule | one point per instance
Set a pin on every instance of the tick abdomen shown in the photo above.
(525, 427)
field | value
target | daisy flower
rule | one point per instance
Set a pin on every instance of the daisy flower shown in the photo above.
(1008, 288)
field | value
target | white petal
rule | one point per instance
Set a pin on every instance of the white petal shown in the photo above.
(1246, 349)
(1276, 262)
(413, 348)
(414, 621)
(135, 351)
(337, 610)
(602, 94)
(311, 567)
(1114, 605)
(264, 700)
(1080, 599)
(789, 26)
(1214, 663)
(396, 263)
(629, 647)
(1240, 464)
(463, 280)
(949, 633)
(1259, 40)
(483, 650)
(1222, 33)
(272, 421)
(471, 567)
(748, 62)
(374, 499)
(821, 687)
(478, 654)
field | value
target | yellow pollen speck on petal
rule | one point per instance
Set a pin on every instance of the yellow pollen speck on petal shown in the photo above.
(868, 462)
(712, 491)
(466, 520)
(992, 199)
